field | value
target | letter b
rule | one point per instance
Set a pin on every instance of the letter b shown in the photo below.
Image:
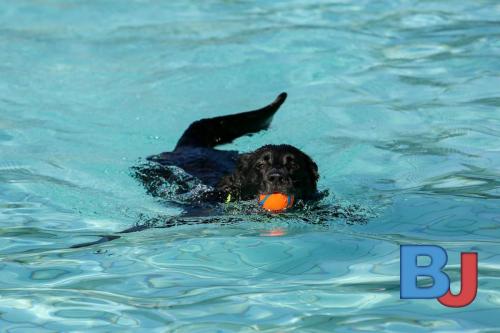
(410, 271)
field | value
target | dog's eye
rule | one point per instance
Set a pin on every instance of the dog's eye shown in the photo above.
(260, 165)
(292, 165)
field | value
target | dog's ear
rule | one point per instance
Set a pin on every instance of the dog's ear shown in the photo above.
(244, 162)
(313, 168)
(232, 183)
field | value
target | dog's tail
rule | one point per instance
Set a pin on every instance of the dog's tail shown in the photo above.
(210, 132)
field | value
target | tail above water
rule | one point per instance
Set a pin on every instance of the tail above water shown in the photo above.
(210, 132)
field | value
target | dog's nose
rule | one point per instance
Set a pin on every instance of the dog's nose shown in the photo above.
(275, 178)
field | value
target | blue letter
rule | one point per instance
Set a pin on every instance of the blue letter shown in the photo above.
(410, 271)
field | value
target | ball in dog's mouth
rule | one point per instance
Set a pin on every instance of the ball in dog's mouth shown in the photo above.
(276, 202)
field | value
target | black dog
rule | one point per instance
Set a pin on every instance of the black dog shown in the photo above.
(226, 175)
(269, 169)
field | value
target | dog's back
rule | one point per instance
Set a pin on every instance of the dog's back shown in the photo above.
(195, 153)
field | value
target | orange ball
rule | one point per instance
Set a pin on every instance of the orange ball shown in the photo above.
(275, 202)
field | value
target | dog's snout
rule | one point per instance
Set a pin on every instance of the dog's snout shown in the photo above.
(275, 178)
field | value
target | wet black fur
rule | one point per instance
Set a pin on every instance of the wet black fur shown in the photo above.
(271, 168)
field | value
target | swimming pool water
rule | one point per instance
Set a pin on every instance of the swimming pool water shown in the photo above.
(397, 101)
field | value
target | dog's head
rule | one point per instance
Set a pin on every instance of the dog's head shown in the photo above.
(274, 168)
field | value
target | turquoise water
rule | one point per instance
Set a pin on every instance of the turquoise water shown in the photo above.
(397, 101)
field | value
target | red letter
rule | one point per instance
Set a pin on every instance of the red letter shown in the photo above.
(468, 283)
